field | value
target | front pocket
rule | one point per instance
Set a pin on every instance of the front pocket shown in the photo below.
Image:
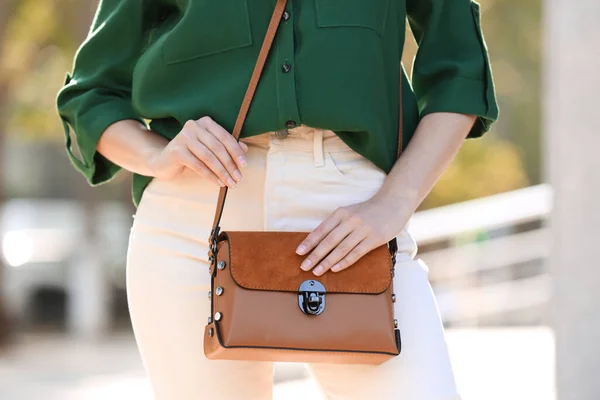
(208, 27)
(354, 168)
(352, 13)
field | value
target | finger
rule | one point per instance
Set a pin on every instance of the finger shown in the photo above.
(353, 256)
(333, 239)
(339, 252)
(204, 154)
(244, 147)
(202, 134)
(319, 233)
(231, 145)
(217, 148)
(188, 160)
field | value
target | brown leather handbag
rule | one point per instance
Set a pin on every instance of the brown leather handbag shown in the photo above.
(265, 308)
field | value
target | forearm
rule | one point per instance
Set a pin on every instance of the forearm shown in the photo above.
(131, 145)
(434, 145)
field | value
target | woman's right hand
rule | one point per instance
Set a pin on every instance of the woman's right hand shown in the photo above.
(207, 149)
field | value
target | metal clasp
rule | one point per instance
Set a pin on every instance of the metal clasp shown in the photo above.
(213, 242)
(311, 297)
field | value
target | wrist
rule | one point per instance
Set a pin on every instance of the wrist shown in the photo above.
(151, 157)
(398, 196)
(399, 209)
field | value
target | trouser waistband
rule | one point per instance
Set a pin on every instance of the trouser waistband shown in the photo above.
(302, 138)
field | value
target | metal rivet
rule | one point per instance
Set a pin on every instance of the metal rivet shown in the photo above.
(210, 332)
(395, 323)
(393, 298)
(312, 283)
(219, 291)
(209, 294)
(209, 320)
(281, 134)
(221, 265)
(218, 316)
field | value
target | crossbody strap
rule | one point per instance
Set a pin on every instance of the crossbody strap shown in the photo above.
(237, 129)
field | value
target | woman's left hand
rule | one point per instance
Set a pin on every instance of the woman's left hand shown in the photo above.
(350, 233)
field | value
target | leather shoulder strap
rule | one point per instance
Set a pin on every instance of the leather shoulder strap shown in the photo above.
(237, 129)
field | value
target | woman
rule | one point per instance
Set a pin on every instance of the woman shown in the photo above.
(317, 154)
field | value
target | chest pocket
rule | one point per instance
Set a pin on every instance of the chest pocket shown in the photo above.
(208, 27)
(352, 13)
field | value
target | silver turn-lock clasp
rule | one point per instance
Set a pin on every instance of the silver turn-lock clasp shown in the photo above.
(311, 297)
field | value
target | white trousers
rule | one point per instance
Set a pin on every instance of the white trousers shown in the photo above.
(290, 184)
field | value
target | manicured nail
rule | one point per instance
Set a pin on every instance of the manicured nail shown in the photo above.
(335, 268)
(305, 265)
(231, 182)
(243, 161)
(300, 250)
(318, 270)
(237, 175)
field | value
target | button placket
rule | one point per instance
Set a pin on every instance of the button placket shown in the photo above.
(286, 81)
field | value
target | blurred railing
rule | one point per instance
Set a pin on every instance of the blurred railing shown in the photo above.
(487, 257)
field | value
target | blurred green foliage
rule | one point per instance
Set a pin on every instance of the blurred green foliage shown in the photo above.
(483, 167)
(39, 39)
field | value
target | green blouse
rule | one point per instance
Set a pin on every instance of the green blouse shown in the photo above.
(334, 64)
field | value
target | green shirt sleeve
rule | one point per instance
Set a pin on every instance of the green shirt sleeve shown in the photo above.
(98, 91)
(451, 71)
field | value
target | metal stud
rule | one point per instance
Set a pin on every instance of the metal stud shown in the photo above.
(209, 320)
(219, 291)
(209, 294)
(221, 265)
(210, 332)
(395, 323)
(218, 316)
(393, 298)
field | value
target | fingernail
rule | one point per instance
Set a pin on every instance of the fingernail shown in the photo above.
(243, 161)
(318, 271)
(305, 265)
(300, 250)
(237, 175)
(221, 183)
(335, 268)
(231, 182)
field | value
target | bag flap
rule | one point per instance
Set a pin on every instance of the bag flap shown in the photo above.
(268, 261)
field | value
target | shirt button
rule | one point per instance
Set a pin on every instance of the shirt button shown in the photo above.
(286, 67)
(290, 124)
(286, 15)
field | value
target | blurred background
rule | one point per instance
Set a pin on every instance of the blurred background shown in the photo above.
(509, 232)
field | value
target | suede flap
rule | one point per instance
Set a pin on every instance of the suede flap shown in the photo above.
(268, 261)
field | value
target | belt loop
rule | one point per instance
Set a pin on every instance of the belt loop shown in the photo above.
(318, 147)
